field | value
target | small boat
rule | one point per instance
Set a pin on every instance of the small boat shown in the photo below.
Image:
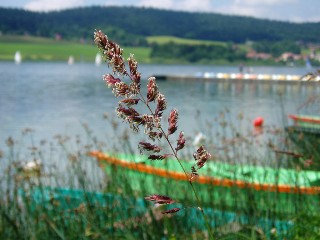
(238, 188)
(17, 57)
(67, 203)
(69, 198)
(306, 121)
(305, 134)
(98, 59)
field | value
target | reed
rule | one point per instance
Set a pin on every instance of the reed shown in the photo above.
(86, 201)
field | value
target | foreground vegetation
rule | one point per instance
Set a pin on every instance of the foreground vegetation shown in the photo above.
(84, 202)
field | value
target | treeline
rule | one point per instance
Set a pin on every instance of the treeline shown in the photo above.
(197, 53)
(130, 25)
(277, 48)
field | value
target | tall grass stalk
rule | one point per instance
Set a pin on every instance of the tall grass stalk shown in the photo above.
(131, 95)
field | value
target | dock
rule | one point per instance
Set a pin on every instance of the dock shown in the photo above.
(237, 77)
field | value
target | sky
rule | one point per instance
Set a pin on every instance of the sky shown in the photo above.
(284, 10)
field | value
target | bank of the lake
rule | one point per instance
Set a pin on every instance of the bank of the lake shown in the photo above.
(36, 49)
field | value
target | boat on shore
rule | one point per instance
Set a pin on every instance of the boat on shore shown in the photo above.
(240, 188)
(63, 203)
(305, 134)
(306, 121)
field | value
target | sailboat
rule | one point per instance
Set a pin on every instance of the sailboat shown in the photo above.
(98, 59)
(71, 60)
(17, 57)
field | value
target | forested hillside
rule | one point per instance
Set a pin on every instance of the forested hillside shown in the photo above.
(130, 25)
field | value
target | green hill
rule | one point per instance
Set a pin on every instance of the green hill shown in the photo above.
(129, 25)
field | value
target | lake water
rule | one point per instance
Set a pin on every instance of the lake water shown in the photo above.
(56, 98)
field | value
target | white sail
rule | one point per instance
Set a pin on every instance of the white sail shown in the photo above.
(70, 60)
(98, 59)
(17, 57)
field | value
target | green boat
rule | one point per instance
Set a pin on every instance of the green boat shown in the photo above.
(305, 134)
(65, 204)
(245, 189)
(306, 121)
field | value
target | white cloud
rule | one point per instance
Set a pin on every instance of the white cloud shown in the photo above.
(49, 5)
(185, 5)
(264, 2)
(254, 8)
(113, 3)
(240, 10)
(196, 5)
(164, 4)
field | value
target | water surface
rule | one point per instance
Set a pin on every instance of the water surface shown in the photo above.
(56, 98)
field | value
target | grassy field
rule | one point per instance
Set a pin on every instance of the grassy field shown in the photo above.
(167, 39)
(43, 49)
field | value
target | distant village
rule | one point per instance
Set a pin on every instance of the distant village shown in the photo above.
(289, 58)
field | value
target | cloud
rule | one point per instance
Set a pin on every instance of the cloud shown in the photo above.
(264, 2)
(50, 5)
(185, 5)
(113, 3)
(255, 8)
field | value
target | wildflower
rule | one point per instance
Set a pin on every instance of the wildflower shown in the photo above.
(158, 157)
(148, 147)
(110, 80)
(151, 122)
(100, 39)
(126, 112)
(173, 210)
(152, 89)
(122, 89)
(201, 156)
(194, 173)
(161, 105)
(155, 135)
(159, 199)
(111, 51)
(134, 89)
(181, 141)
(173, 119)
(134, 74)
(130, 101)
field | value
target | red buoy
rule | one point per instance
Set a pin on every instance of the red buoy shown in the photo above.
(258, 122)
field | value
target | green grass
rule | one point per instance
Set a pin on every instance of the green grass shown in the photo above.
(167, 39)
(141, 54)
(43, 49)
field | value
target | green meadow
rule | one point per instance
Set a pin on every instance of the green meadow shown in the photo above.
(168, 39)
(43, 49)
